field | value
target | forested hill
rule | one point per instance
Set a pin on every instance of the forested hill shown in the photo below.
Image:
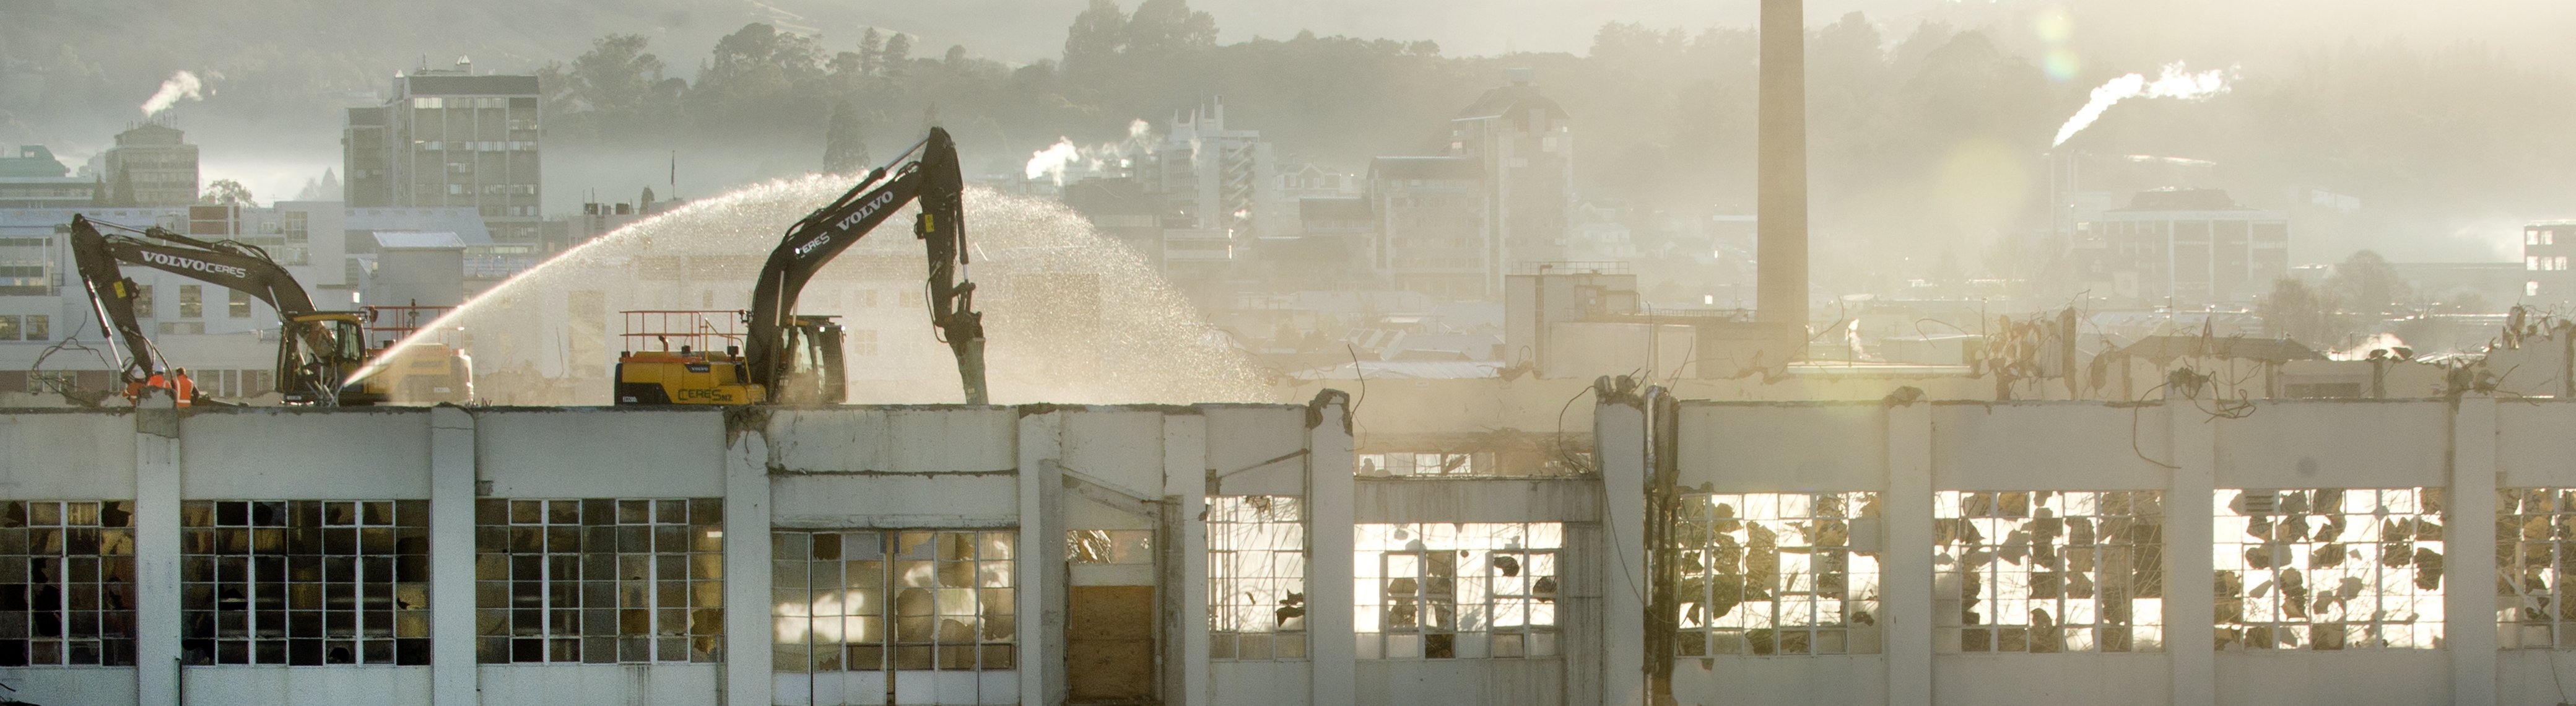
(1928, 127)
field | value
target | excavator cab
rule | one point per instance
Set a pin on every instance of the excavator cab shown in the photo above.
(815, 376)
(318, 350)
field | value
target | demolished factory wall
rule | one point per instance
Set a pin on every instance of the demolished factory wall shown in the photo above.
(2414, 478)
(1026, 473)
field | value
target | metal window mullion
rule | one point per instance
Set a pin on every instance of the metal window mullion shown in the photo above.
(546, 586)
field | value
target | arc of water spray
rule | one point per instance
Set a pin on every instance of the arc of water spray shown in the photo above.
(2173, 82)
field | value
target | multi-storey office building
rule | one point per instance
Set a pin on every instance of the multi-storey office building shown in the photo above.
(1433, 233)
(2545, 264)
(2187, 248)
(151, 165)
(1525, 143)
(452, 138)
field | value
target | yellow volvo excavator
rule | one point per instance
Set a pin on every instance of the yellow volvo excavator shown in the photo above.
(318, 352)
(783, 357)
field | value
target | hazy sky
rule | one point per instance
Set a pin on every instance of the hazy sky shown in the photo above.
(2127, 33)
(1024, 30)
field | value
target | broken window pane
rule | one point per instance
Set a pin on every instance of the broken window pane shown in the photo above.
(305, 582)
(1500, 454)
(1456, 590)
(1775, 573)
(2329, 569)
(2535, 548)
(584, 581)
(1256, 576)
(67, 583)
(2046, 571)
(1109, 546)
(871, 600)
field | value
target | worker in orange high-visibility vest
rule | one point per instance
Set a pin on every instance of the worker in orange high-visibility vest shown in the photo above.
(184, 387)
(181, 388)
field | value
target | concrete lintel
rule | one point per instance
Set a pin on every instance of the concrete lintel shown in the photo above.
(1102, 492)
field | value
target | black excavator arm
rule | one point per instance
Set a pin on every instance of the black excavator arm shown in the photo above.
(233, 265)
(927, 173)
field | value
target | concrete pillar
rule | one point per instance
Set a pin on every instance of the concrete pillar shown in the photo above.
(2468, 570)
(1619, 435)
(1906, 552)
(156, 551)
(451, 557)
(1186, 574)
(2190, 636)
(747, 657)
(1041, 560)
(1331, 494)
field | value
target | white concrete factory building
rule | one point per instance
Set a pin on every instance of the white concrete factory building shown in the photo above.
(1896, 552)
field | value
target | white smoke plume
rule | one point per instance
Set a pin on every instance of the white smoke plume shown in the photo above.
(1051, 161)
(2172, 82)
(1108, 157)
(181, 85)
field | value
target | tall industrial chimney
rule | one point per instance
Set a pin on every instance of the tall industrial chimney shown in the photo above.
(1780, 201)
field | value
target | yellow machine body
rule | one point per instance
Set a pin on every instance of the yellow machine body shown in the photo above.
(685, 377)
(421, 373)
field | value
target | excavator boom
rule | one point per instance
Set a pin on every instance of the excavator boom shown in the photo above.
(927, 173)
(316, 349)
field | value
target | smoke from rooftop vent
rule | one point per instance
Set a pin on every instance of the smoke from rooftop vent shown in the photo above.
(180, 86)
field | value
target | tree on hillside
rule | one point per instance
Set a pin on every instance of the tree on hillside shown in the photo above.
(1091, 45)
(2369, 285)
(227, 192)
(122, 192)
(759, 76)
(847, 65)
(871, 49)
(1166, 27)
(845, 149)
(2302, 313)
(898, 51)
(616, 74)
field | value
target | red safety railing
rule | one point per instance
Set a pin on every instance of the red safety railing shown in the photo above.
(387, 324)
(673, 330)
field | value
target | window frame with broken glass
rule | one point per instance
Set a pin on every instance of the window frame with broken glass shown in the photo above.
(2048, 571)
(67, 583)
(2268, 530)
(598, 580)
(1257, 559)
(1497, 599)
(304, 582)
(904, 600)
(2535, 551)
(1719, 557)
